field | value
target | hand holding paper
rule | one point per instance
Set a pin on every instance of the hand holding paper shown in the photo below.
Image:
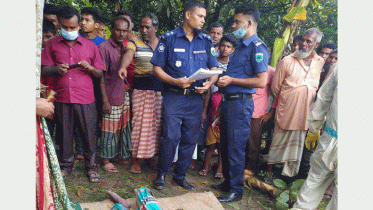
(204, 74)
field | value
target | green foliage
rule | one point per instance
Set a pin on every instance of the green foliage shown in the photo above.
(279, 184)
(320, 13)
(296, 185)
(281, 200)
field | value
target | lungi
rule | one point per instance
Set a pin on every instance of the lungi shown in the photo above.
(146, 122)
(287, 147)
(116, 132)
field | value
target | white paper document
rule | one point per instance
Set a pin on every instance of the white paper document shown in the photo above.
(204, 74)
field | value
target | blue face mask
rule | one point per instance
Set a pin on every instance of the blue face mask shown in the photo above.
(239, 33)
(69, 35)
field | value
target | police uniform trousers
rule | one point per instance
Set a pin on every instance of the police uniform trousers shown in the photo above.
(68, 117)
(182, 116)
(234, 134)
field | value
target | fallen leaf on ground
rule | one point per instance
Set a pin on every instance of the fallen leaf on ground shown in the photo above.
(101, 183)
(205, 182)
(151, 176)
(79, 191)
(94, 189)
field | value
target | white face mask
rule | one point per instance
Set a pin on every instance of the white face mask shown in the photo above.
(70, 35)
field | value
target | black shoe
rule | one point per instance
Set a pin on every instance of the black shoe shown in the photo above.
(183, 183)
(159, 182)
(230, 197)
(221, 187)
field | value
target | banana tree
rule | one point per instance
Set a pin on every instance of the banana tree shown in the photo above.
(292, 19)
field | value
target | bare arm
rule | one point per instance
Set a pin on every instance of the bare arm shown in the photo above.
(54, 70)
(125, 62)
(97, 73)
(259, 81)
(106, 107)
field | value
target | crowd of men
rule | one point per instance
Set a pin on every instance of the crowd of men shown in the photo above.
(131, 94)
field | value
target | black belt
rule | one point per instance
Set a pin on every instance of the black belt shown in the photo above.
(181, 91)
(235, 96)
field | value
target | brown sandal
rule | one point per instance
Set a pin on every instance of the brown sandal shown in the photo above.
(109, 167)
(93, 176)
(135, 169)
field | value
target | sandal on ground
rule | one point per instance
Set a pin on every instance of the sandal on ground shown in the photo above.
(109, 167)
(93, 176)
(203, 172)
(327, 195)
(135, 169)
(218, 175)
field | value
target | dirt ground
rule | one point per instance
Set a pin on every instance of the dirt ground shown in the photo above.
(123, 183)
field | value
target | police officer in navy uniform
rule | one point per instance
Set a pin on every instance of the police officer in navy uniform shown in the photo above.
(246, 71)
(179, 54)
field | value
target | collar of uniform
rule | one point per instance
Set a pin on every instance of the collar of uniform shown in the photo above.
(78, 40)
(250, 39)
(180, 32)
(113, 42)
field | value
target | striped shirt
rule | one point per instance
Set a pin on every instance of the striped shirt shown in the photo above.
(143, 77)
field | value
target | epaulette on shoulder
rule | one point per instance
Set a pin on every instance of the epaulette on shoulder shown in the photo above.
(168, 34)
(259, 42)
(208, 37)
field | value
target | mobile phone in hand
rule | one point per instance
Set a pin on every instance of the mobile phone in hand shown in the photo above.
(74, 65)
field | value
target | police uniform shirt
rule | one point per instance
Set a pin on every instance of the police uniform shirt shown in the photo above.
(246, 62)
(178, 57)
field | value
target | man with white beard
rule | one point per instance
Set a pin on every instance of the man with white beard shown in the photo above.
(294, 84)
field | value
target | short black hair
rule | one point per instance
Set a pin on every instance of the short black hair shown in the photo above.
(334, 51)
(50, 9)
(216, 25)
(96, 14)
(191, 5)
(120, 18)
(228, 38)
(67, 12)
(125, 13)
(298, 38)
(153, 17)
(48, 26)
(250, 10)
(327, 45)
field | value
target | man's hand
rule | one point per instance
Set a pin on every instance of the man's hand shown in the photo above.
(85, 65)
(205, 86)
(204, 116)
(184, 82)
(311, 139)
(62, 68)
(44, 108)
(122, 73)
(106, 107)
(224, 81)
(267, 116)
